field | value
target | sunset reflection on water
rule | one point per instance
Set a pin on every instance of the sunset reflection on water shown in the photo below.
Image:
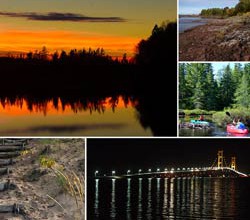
(111, 116)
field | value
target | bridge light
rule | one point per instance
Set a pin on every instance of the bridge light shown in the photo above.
(113, 172)
(178, 168)
(96, 172)
(165, 169)
(149, 170)
(139, 170)
(172, 169)
(128, 171)
(183, 168)
(158, 169)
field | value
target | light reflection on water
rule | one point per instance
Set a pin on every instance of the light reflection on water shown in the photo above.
(113, 207)
(183, 198)
(109, 116)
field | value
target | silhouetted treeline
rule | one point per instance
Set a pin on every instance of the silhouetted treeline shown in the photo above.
(83, 57)
(156, 84)
(150, 79)
(242, 7)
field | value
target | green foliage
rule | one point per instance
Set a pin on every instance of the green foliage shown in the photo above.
(197, 112)
(242, 7)
(222, 119)
(200, 89)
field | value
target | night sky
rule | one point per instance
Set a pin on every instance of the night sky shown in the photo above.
(123, 154)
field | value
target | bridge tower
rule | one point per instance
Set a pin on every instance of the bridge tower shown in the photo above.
(233, 163)
(220, 159)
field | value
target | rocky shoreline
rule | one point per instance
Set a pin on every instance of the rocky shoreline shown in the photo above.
(219, 40)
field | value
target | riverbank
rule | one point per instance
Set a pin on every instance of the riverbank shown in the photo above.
(218, 40)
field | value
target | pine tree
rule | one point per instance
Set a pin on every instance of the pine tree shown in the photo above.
(242, 94)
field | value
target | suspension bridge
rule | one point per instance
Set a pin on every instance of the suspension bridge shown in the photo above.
(218, 169)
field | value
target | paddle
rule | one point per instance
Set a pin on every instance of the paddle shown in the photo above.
(228, 114)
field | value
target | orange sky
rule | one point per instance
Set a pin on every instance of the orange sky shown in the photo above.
(12, 40)
(22, 31)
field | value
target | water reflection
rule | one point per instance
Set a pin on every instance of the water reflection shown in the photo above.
(149, 199)
(184, 198)
(113, 205)
(140, 199)
(50, 105)
(128, 198)
(96, 206)
(70, 115)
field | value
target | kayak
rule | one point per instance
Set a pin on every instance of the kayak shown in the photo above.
(232, 129)
(199, 122)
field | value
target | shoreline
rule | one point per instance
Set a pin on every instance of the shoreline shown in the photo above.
(218, 40)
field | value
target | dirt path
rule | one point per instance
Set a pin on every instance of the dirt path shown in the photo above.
(219, 40)
(43, 194)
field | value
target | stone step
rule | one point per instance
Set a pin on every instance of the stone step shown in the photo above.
(4, 171)
(7, 185)
(13, 141)
(6, 162)
(8, 155)
(14, 208)
(8, 148)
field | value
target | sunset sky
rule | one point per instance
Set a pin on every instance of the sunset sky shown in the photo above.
(115, 25)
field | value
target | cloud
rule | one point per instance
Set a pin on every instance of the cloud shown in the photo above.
(54, 16)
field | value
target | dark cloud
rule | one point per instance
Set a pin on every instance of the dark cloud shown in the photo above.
(54, 16)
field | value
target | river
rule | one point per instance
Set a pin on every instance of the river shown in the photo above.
(186, 23)
(163, 198)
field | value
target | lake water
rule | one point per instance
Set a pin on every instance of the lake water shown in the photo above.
(57, 116)
(163, 198)
(186, 23)
(214, 132)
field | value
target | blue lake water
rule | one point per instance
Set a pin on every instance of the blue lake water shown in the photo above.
(186, 23)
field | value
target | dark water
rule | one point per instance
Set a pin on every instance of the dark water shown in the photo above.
(186, 23)
(179, 198)
(214, 132)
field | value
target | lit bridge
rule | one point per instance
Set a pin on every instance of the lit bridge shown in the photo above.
(218, 169)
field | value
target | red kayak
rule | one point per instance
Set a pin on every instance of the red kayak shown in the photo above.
(232, 129)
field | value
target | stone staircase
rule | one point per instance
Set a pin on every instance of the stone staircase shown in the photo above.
(10, 149)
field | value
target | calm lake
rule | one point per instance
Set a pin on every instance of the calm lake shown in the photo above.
(186, 23)
(163, 198)
(213, 131)
(108, 116)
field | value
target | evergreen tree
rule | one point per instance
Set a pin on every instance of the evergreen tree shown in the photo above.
(182, 86)
(211, 89)
(226, 92)
(242, 94)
